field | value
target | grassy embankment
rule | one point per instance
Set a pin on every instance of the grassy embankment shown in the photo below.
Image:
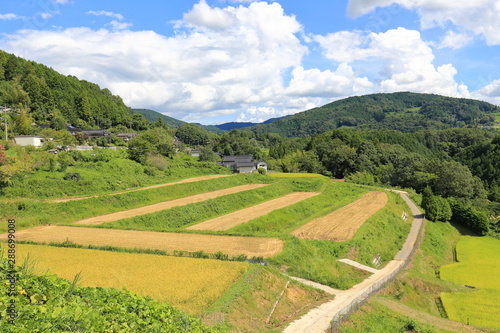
(28, 212)
(478, 266)
(248, 304)
(104, 172)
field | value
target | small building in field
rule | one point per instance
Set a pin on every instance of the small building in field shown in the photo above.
(29, 140)
(242, 163)
(195, 152)
(126, 136)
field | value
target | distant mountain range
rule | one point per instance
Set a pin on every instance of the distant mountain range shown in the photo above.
(153, 116)
(403, 111)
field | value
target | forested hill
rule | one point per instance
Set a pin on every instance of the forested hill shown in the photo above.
(403, 111)
(56, 99)
(153, 116)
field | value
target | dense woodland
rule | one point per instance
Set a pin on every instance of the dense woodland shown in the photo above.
(444, 148)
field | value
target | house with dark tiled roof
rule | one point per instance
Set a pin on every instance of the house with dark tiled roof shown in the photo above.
(242, 163)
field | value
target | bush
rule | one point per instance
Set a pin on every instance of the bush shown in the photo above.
(75, 176)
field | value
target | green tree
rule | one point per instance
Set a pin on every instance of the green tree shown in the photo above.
(192, 134)
(207, 155)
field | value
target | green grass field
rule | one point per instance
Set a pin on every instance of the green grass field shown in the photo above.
(478, 266)
(295, 175)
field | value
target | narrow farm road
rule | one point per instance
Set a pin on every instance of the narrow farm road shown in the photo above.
(318, 319)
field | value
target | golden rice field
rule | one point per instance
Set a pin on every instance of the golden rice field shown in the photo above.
(478, 266)
(230, 245)
(478, 307)
(342, 224)
(241, 216)
(189, 284)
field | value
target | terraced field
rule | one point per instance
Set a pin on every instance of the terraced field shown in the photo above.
(133, 239)
(166, 205)
(231, 220)
(342, 224)
(187, 283)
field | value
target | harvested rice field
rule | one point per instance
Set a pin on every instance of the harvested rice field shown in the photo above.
(166, 205)
(231, 220)
(189, 284)
(342, 224)
(230, 245)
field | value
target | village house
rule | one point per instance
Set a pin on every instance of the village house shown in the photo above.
(242, 163)
(29, 140)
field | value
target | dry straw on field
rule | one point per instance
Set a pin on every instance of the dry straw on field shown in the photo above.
(190, 284)
(230, 245)
(342, 224)
(166, 205)
(231, 220)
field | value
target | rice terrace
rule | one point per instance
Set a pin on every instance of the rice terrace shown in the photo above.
(191, 249)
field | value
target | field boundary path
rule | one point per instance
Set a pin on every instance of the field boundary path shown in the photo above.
(166, 205)
(332, 313)
(188, 180)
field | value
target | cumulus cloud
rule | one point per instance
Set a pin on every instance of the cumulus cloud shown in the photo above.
(219, 61)
(478, 16)
(328, 84)
(401, 59)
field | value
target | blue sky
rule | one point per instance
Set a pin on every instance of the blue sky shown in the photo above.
(213, 61)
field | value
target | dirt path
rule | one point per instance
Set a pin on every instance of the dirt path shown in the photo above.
(166, 205)
(231, 220)
(342, 224)
(319, 319)
(189, 180)
(425, 317)
(230, 245)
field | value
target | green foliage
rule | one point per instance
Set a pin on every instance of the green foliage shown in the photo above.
(192, 134)
(470, 217)
(48, 303)
(403, 111)
(57, 99)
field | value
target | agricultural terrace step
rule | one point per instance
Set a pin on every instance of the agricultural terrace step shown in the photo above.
(241, 216)
(342, 224)
(166, 205)
(230, 245)
(189, 180)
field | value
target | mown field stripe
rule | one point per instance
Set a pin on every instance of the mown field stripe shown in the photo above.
(231, 220)
(230, 245)
(188, 180)
(166, 205)
(342, 224)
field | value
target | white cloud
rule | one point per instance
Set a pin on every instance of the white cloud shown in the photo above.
(489, 93)
(478, 16)
(343, 82)
(400, 57)
(455, 40)
(116, 25)
(62, 2)
(105, 13)
(206, 68)
(9, 16)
